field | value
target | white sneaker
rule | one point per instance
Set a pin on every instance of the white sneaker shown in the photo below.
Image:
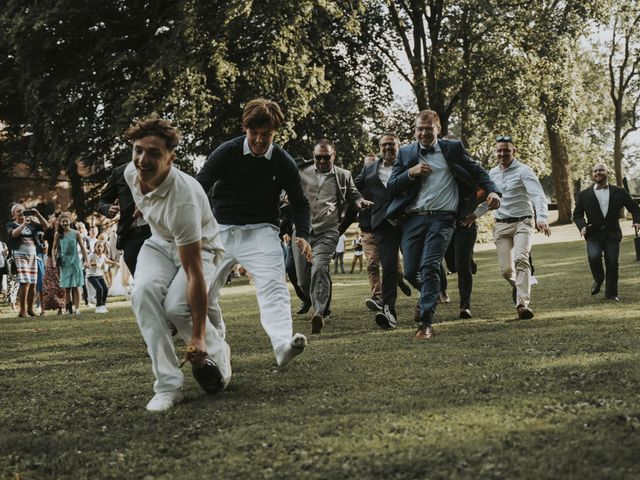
(165, 400)
(295, 347)
(102, 309)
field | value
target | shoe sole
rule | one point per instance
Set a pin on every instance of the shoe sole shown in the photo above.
(465, 315)
(373, 306)
(209, 377)
(526, 315)
(317, 322)
(382, 321)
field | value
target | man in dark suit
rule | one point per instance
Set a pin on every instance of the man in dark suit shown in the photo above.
(372, 183)
(132, 231)
(431, 182)
(602, 203)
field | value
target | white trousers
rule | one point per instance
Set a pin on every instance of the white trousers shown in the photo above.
(159, 299)
(258, 250)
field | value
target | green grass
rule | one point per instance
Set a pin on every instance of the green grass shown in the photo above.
(556, 397)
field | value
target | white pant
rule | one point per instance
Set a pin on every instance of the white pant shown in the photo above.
(160, 298)
(258, 250)
(513, 245)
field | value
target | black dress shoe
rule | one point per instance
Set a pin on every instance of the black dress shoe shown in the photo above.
(404, 287)
(613, 298)
(209, 376)
(304, 308)
(595, 288)
(465, 314)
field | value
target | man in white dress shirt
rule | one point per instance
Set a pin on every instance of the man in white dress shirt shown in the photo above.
(523, 210)
(601, 203)
(177, 266)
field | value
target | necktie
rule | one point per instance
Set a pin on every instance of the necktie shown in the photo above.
(424, 151)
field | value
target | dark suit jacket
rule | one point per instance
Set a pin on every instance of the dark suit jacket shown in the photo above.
(469, 175)
(117, 189)
(373, 189)
(587, 203)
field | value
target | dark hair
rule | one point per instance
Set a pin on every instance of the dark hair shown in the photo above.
(261, 112)
(389, 134)
(59, 223)
(430, 115)
(325, 142)
(154, 126)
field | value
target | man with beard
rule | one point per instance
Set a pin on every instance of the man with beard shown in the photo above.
(331, 192)
(372, 182)
(522, 200)
(602, 203)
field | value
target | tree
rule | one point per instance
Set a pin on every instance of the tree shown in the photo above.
(624, 77)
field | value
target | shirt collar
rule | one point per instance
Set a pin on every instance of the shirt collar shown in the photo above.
(163, 188)
(246, 150)
(597, 187)
(436, 146)
(315, 169)
(514, 164)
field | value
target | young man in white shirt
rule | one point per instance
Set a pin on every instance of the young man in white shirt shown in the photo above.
(523, 210)
(177, 266)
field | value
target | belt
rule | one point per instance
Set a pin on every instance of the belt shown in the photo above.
(434, 212)
(512, 219)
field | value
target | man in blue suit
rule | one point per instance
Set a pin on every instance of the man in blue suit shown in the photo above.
(431, 184)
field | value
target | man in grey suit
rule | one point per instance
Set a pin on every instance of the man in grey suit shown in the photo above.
(331, 191)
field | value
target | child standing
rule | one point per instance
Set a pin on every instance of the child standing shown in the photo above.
(95, 275)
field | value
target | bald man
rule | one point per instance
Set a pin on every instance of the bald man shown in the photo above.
(602, 203)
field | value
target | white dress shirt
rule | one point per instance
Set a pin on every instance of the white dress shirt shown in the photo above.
(602, 194)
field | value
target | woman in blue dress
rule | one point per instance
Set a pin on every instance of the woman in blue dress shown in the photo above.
(65, 255)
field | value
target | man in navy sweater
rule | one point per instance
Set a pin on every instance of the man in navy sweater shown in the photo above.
(244, 178)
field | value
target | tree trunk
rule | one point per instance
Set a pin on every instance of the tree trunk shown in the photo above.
(561, 170)
(617, 145)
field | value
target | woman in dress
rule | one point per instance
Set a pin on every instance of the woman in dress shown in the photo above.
(65, 256)
(53, 294)
(22, 232)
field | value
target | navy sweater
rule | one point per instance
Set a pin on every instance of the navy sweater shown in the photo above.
(246, 190)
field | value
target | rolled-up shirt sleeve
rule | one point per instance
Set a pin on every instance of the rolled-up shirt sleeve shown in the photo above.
(536, 194)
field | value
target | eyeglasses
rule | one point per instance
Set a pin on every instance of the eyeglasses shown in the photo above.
(322, 157)
(504, 138)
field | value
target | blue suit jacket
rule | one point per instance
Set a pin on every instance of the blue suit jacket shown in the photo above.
(373, 189)
(468, 174)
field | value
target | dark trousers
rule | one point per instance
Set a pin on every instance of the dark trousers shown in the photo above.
(290, 268)
(598, 244)
(101, 289)
(388, 237)
(131, 245)
(425, 239)
(459, 257)
(338, 259)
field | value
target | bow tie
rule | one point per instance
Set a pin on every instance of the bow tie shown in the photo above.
(424, 151)
(598, 187)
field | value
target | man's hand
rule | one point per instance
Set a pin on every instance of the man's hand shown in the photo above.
(196, 352)
(114, 209)
(493, 201)
(468, 220)
(286, 238)
(363, 204)
(636, 226)
(420, 170)
(542, 226)
(305, 249)
(583, 232)
(136, 213)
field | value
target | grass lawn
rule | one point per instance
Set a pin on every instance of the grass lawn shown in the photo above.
(556, 397)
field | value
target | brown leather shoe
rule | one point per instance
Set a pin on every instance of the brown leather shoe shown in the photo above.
(317, 322)
(524, 313)
(424, 333)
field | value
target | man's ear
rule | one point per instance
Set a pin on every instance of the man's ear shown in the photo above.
(172, 157)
